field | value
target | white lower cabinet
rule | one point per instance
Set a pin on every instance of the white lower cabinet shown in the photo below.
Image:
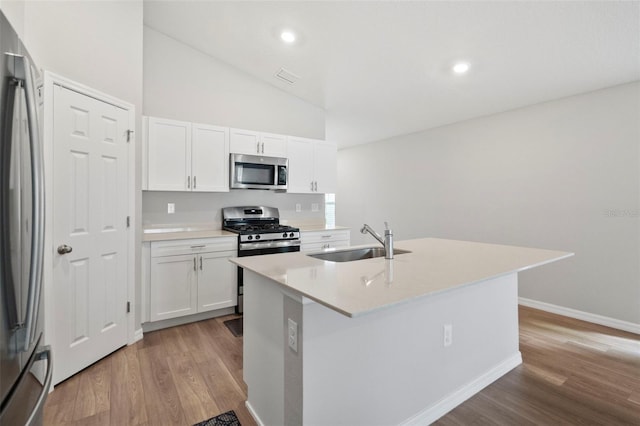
(320, 240)
(191, 276)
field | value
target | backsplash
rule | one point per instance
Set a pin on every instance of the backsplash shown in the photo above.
(206, 207)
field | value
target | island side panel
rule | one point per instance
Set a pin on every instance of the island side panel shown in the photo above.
(391, 366)
(263, 343)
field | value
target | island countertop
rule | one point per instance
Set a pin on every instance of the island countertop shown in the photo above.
(433, 266)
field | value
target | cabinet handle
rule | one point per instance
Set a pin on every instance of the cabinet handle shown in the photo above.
(326, 236)
(315, 186)
(198, 246)
(201, 263)
(194, 264)
(311, 185)
(194, 182)
(263, 147)
(258, 147)
(188, 182)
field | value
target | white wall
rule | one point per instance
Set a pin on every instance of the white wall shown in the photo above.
(14, 11)
(545, 176)
(184, 84)
(98, 44)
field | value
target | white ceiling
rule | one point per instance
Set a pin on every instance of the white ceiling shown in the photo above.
(381, 69)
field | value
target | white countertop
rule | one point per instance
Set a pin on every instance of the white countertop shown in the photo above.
(433, 266)
(166, 232)
(183, 232)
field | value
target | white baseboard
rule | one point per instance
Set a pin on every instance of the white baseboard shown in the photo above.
(581, 315)
(448, 403)
(172, 322)
(137, 336)
(253, 413)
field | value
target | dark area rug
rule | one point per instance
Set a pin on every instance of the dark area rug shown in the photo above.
(235, 326)
(225, 419)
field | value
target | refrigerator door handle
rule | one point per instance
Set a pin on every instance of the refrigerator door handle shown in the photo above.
(22, 71)
(44, 353)
(11, 304)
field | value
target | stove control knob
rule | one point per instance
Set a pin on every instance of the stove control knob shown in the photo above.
(250, 237)
(257, 237)
(291, 235)
(284, 235)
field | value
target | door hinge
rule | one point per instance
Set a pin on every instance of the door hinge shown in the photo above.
(129, 133)
(128, 221)
(128, 307)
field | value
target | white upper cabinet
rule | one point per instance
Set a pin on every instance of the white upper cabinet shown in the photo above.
(183, 156)
(257, 143)
(325, 158)
(209, 158)
(312, 166)
(273, 145)
(168, 154)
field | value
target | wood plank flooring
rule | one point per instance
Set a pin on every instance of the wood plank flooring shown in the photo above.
(573, 373)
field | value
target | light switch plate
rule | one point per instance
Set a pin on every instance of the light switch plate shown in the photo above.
(171, 208)
(315, 207)
(298, 208)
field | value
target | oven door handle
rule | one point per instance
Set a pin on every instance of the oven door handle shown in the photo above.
(268, 244)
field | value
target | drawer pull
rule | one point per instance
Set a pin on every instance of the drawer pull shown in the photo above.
(326, 236)
(199, 246)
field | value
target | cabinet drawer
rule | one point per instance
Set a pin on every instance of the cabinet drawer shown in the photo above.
(315, 237)
(204, 245)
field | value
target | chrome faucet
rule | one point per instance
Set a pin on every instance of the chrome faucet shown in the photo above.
(386, 241)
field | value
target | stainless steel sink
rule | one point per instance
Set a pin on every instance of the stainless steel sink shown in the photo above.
(354, 254)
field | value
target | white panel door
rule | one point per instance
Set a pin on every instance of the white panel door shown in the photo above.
(217, 283)
(325, 168)
(169, 155)
(300, 151)
(209, 158)
(90, 207)
(244, 142)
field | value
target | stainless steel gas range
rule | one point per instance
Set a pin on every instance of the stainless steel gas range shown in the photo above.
(259, 232)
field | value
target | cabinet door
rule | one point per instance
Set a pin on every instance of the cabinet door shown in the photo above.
(173, 285)
(325, 166)
(168, 155)
(273, 145)
(300, 154)
(209, 158)
(217, 283)
(244, 142)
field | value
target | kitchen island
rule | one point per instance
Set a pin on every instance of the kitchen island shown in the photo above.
(376, 341)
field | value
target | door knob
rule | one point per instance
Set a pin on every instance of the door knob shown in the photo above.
(64, 249)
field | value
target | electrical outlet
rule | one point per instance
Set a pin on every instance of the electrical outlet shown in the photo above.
(447, 335)
(298, 208)
(314, 207)
(293, 335)
(171, 208)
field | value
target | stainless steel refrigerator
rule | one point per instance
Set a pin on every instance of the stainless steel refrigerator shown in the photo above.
(25, 366)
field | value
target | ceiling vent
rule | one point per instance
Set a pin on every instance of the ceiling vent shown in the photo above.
(287, 76)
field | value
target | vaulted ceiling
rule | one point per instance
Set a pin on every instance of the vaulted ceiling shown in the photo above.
(381, 69)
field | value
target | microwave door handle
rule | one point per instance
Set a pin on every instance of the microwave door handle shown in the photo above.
(9, 289)
(24, 72)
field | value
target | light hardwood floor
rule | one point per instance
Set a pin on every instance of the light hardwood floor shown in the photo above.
(573, 373)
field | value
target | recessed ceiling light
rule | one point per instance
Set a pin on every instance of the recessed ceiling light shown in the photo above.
(288, 36)
(461, 68)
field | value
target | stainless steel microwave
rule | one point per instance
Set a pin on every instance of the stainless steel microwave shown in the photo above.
(258, 172)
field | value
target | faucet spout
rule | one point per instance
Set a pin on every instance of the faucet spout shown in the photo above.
(386, 241)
